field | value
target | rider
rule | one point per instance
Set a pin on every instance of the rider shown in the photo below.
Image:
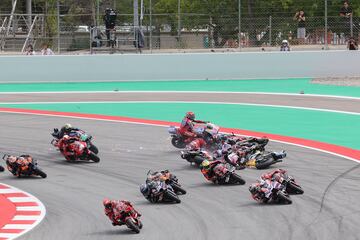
(65, 130)
(113, 209)
(187, 125)
(207, 169)
(260, 191)
(14, 163)
(276, 175)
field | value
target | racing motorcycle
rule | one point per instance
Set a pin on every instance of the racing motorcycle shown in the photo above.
(275, 192)
(225, 174)
(195, 156)
(202, 130)
(29, 169)
(173, 181)
(80, 134)
(130, 218)
(257, 159)
(290, 185)
(159, 191)
(78, 149)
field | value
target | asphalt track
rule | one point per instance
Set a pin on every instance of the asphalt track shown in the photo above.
(72, 193)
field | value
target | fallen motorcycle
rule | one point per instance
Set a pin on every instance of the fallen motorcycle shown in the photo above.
(257, 159)
(29, 169)
(195, 156)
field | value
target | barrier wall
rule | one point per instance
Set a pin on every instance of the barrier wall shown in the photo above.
(186, 66)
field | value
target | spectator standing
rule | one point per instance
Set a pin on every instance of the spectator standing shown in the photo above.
(346, 13)
(352, 44)
(46, 50)
(301, 31)
(110, 21)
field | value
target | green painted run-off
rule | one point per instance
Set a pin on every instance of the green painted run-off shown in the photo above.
(336, 128)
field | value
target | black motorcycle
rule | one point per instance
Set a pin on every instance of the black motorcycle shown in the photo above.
(31, 169)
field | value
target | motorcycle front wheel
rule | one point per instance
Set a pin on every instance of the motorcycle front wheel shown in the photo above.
(132, 225)
(40, 173)
(94, 157)
(293, 188)
(284, 198)
(237, 179)
(178, 189)
(93, 148)
(172, 197)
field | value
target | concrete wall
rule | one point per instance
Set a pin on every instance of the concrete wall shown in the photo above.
(179, 66)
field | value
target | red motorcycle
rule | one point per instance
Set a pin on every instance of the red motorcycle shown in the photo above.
(130, 218)
(76, 149)
(225, 174)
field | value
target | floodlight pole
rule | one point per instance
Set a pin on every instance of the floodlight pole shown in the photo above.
(239, 26)
(326, 26)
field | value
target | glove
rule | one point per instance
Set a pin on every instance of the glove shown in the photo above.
(56, 130)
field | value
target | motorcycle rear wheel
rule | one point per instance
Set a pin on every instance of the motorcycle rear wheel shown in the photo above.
(178, 142)
(130, 224)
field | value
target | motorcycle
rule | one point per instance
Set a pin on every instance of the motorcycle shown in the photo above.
(80, 134)
(196, 156)
(29, 169)
(225, 174)
(275, 193)
(257, 159)
(173, 181)
(130, 219)
(77, 149)
(178, 140)
(290, 185)
(159, 191)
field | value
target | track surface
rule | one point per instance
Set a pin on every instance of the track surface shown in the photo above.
(72, 193)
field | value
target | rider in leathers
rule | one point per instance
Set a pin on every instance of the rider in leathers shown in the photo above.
(187, 125)
(65, 130)
(15, 163)
(113, 210)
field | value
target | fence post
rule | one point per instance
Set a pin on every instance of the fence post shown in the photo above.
(270, 31)
(58, 26)
(326, 26)
(179, 23)
(239, 24)
(150, 43)
(351, 26)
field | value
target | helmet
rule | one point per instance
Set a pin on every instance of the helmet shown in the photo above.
(253, 189)
(205, 164)
(190, 115)
(11, 159)
(285, 42)
(144, 189)
(107, 203)
(67, 126)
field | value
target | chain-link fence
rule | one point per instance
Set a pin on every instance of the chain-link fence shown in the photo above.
(160, 29)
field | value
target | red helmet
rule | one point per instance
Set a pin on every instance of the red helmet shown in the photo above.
(107, 203)
(190, 115)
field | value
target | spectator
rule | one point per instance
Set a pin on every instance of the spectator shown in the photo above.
(46, 50)
(30, 50)
(301, 31)
(110, 21)
(352, 44)
(346, 13)
(285, 46)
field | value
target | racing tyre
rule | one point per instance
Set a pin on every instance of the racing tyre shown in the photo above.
(178, 142)
(237, 179)
(265, 163)
(293, 188)
(93, 148)
(284, 198)
(2, 169)
(40, 173)
(132, 225)
(172, 197)
(140, 224)
(94, 157)
(178, 189)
